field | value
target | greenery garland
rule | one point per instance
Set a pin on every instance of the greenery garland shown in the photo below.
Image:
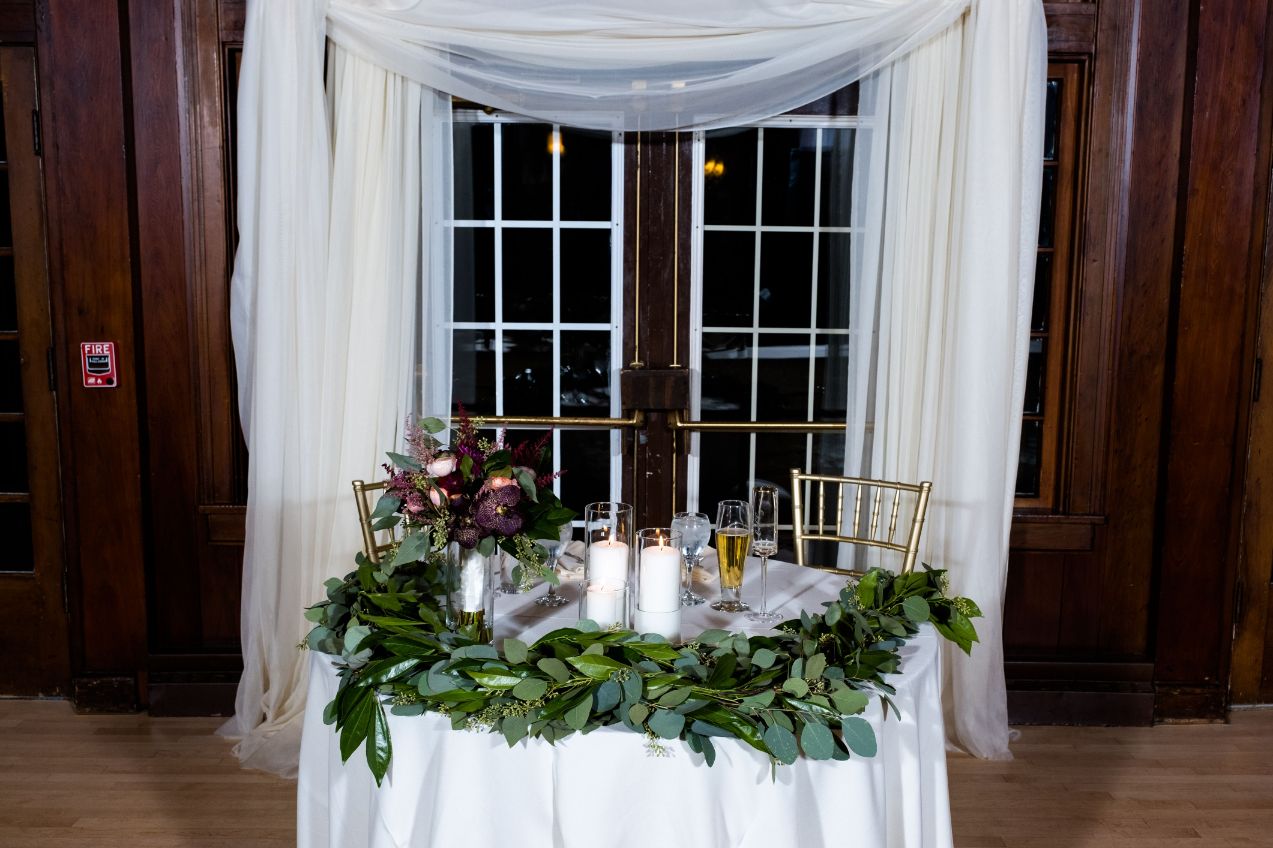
(783, 694)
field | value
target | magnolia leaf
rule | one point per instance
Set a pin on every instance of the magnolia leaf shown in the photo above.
(494, 678)
(356, 723)
(379, 746)
(382, 671)
(596, 666)
(916, 608)
(577, 716)
(403, 461)
(817, 741)
(515, 651)
(859, 736)
(527, 482)
(667, 723)
(554, 668)
(781, 743)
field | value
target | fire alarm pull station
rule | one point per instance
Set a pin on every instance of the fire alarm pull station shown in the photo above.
(99, 365)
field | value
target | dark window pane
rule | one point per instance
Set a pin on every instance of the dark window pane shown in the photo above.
(786, 277)
(10, 377)
(837, 178)
(782, 378)
(4, 142)
(585, 456)
(726, 377)
(474, 171)
(13, 456)
(791, 157)
(831, 379)
(528, 275)
(8, 295)
(585, 276)
(528, 172)
(1036, 371)
(474, 274)
(473, 370)
(528, 372)
(585, 373)
(585, 175)
(6, 217)
(1047, 207)
(1042, 307)
(729, 178)
(1031, 453)
(833, 280)
(723, 469)
(1052, 120)
(728, 278)
(15, 528)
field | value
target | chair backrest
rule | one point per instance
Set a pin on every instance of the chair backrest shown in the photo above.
(883, 500)
(362, 498)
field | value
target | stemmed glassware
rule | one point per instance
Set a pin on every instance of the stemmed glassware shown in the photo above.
(695, 529)
(733, 538)
(555, 549)
(764, 544)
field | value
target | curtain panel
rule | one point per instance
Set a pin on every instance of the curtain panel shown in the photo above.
(341, 186)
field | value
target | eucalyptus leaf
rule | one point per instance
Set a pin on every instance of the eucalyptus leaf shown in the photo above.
(817, 741)
(514, 728)
(515, 651)
(859, 736)
(638, 713)
(404, 461)
(781, 743)
(530, 689)
(596, 666)
(577, 716)
(667, 723)
(432, 426)
(916, 608)
(608, 696)
(763, 658)
(554, 668)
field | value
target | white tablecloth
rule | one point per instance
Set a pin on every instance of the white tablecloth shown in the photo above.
(604, 790)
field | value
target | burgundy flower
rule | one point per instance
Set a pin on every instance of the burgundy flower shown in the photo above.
(497, 510)
(466, 534)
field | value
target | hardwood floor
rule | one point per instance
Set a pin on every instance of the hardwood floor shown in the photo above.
(107, 781)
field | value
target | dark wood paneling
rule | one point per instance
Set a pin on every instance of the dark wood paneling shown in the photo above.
(1215, 289)
(1071, 27)
(91, 265)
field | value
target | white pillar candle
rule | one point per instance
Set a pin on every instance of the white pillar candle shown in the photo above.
(666, 624)
(660, 579)
(608, 562)
(606, 603)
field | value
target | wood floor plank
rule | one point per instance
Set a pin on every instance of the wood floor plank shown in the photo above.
(69, 781)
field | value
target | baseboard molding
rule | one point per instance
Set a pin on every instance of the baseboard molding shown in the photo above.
(192, 697)
(1190, 703)
(1080, 693)
(105, 694)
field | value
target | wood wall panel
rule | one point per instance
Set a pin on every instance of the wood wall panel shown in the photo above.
(91, 266)
(1207, 398)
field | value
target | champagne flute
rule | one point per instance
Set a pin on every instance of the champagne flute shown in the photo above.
(764, 544)
(556, 548)
(695, 529)
(733, 535)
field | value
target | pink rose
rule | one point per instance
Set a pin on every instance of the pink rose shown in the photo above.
(500, 482)
(442, 466)
(437, 497)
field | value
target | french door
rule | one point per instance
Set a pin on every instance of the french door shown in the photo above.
(675, 304)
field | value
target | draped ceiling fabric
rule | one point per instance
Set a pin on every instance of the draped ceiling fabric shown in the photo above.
(341, 185)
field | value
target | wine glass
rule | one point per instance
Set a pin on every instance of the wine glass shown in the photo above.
(764, 544)
(733, 537)
(695, 529)
(556, 548)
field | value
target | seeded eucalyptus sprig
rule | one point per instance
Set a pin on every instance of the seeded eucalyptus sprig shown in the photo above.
(800, 690)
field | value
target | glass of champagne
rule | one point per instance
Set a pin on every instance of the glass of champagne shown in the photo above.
(733, 538)
(764, 544)
(555, 548)
(695, 529)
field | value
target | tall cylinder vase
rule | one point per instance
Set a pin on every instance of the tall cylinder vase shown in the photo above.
(470, 592)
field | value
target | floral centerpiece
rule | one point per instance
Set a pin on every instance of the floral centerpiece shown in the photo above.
(463, 501)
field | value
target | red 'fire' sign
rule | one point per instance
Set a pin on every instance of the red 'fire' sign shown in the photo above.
(98, 361)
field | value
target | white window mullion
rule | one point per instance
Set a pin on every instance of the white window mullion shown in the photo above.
(497, 151)
(813, 290)
(755, 306)
(556, 149)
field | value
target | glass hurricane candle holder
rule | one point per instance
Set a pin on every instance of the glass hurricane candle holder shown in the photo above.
(608, 537)
(605, 602)
(658, 582)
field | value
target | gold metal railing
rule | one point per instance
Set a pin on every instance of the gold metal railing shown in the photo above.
(634, 421)
(676, 422)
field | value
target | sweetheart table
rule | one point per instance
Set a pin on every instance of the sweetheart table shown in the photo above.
(608, 790)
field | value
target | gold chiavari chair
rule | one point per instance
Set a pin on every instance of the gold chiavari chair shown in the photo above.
(883, 502)
(362, 498)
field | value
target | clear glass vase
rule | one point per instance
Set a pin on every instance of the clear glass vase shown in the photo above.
(470, 592)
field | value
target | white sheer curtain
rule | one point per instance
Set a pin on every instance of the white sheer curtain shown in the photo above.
(336, 227)
(946, 275)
